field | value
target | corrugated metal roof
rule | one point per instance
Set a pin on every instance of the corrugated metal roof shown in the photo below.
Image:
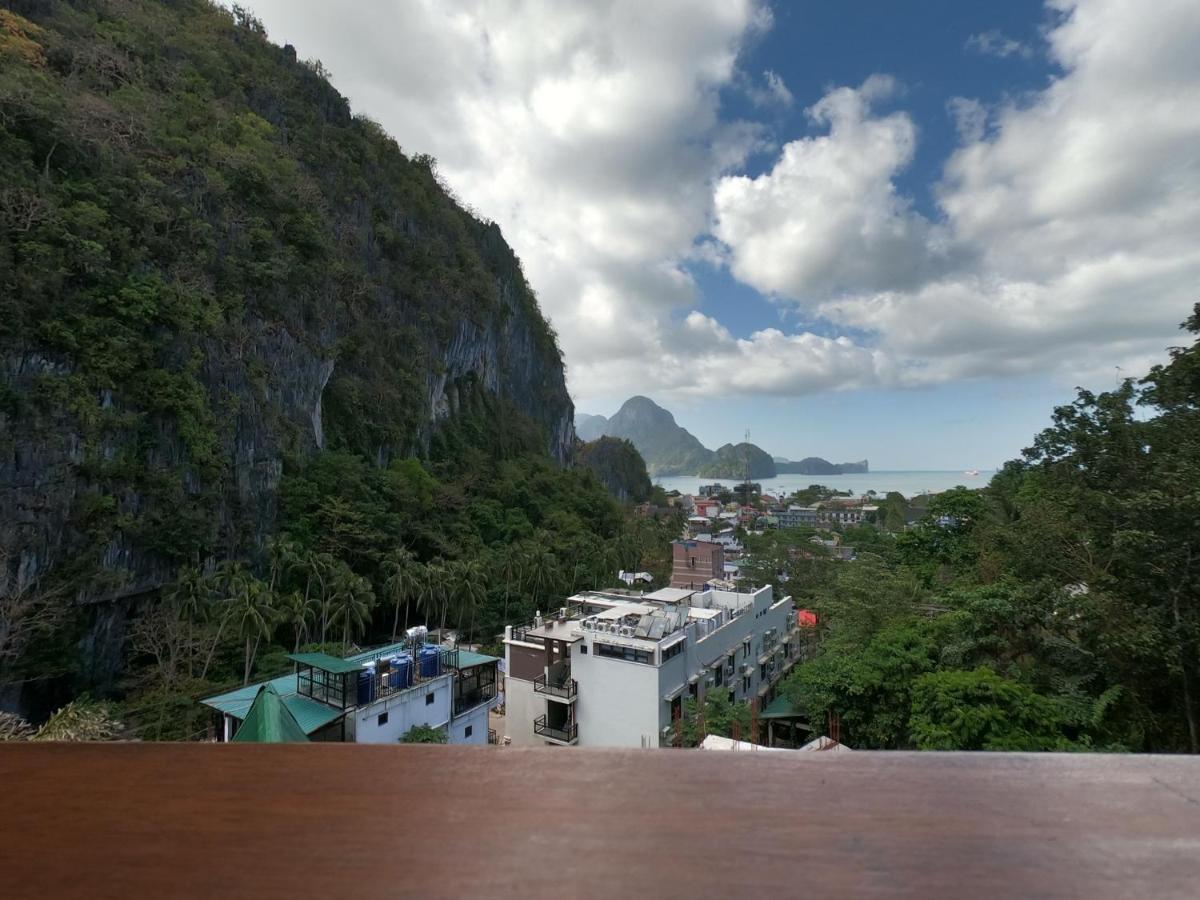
(310, 714)
(469, 658)
(325, 662)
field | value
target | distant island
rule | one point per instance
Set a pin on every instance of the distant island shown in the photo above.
(670, 449)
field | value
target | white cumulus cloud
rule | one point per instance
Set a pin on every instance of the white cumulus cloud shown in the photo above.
(1066, 232)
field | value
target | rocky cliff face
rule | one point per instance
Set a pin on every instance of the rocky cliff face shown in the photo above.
(667, 448)
(210, 269)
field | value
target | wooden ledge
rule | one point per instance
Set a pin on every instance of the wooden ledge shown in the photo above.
(198, 820)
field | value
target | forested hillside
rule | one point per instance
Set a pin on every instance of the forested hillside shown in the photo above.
(619, 467)
(1057, 610)
(263, 377)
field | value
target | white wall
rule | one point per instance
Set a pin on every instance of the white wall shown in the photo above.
(521, 706)
(476, 720)
(618, 701)
(404, 710)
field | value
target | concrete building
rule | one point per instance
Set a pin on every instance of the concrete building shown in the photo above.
(815, 516)
(696, 562)
(377, 696)
(613, 670)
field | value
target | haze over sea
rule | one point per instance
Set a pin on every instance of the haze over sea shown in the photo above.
(908, 483)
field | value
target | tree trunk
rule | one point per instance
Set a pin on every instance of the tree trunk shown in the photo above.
(396, 619)
(246, 676)
(213, 649)
(1188, 710)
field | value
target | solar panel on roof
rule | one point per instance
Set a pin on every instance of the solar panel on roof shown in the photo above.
(658, 627)
(643, 627)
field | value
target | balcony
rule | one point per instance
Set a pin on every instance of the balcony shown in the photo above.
(565, 691)
(568, 734)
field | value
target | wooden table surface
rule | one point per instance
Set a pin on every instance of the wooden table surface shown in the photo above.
(184, 820)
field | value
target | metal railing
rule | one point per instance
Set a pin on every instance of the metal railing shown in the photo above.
(567, 690)
(566, 735)
(493, 738)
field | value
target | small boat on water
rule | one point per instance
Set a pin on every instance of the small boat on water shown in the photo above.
(971, 472)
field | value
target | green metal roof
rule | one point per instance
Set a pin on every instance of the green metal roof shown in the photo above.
(309, 714)
(325, 662)
(237, 702)
(469, 658)
(780, 708)
(269, 721)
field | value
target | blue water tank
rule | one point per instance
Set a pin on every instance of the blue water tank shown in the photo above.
(402, 671)
(430, 661)
(366, 686)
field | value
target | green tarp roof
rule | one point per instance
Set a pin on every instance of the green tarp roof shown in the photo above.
(269, 721)
(780, 708)
(326, 662)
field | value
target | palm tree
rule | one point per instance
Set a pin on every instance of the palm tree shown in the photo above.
(469, 584)
(434, 590)
(351, 600)
(229, 579)
(281, 555)
(320, 570)
(298, 610)
(402, 584)
(253, 606)
(509, 572)
(541, 570)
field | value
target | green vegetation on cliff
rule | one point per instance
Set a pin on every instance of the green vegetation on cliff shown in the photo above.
(732, 461)
(619, 467)
(208, 265)
(266, 384)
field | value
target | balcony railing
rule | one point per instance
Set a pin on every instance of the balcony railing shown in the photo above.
(567, 734)
(493, 738)
(566, 690)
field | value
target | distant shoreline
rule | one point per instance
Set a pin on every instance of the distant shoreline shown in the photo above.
(909, 482)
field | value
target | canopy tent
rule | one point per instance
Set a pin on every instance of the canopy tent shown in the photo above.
(269, 721)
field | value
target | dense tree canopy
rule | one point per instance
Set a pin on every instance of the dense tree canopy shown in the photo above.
(1056, 609)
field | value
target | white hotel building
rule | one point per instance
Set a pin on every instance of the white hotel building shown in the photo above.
(613, 669)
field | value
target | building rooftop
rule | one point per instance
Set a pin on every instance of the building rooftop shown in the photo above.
(312, 714)
(325, 662)
(670, 594)
(652, 618)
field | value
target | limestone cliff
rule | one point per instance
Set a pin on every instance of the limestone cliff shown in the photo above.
(210, 268)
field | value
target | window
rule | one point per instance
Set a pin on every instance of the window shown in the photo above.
(468, 731)
(583, 649)
(719, 675)
(745, 684)
(746, 648)
(627, 653)
(674, 650)
(429, 699)
(382, 720)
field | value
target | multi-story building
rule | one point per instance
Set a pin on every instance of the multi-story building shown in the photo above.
(613, 670)
(377, 696)
(813, 516)
(696, 562)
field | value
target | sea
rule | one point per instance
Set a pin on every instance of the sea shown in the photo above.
(908, 483)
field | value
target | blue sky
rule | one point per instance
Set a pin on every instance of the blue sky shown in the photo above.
(901, 231)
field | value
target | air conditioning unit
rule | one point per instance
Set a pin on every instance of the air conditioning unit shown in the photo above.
(626, 631)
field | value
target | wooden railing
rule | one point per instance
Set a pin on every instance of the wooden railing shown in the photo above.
(252, 820)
